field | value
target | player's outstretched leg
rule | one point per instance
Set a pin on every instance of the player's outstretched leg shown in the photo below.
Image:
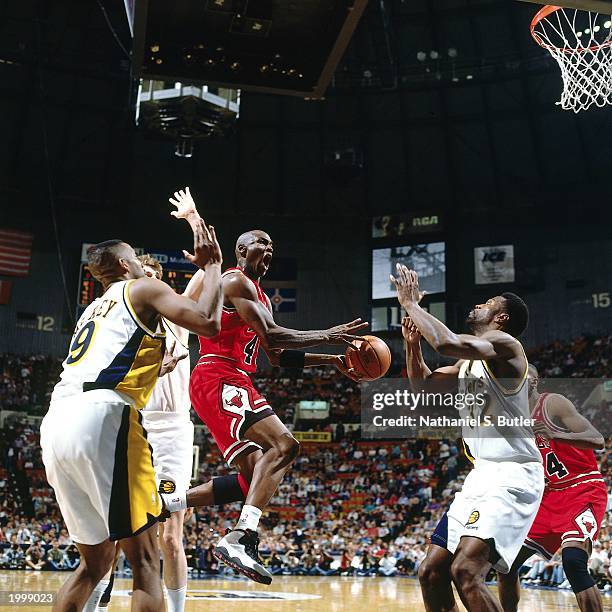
(239, 548)
(175, 562)
(142, 553)
(96, 559)
(509, 586)
(435, 580)
(575, 559)
(468, 570)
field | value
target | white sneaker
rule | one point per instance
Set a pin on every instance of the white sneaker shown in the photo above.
(239, 550)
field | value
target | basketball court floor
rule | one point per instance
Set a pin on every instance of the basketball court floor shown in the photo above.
(287, 594)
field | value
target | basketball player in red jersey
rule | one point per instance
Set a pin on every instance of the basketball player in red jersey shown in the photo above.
(246, 430)
(574, 501)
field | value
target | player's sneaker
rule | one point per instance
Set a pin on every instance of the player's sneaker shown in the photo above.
(239, 550)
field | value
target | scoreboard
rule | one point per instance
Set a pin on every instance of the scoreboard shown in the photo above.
(178, 279)
(177, 273)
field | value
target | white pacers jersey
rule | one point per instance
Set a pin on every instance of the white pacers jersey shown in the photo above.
(111, 348)
(511, 442)
(171, 393)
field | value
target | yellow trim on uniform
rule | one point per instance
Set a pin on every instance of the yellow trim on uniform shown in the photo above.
(501, 387)
(70, 360)
(142, 487)
(466, 452)
(142, 376)
(175, 330)
(128, 303)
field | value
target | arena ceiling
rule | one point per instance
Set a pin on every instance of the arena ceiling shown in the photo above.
(438, 104)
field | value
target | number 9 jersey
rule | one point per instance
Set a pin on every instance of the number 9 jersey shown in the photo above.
(111, 348)
(236, 341)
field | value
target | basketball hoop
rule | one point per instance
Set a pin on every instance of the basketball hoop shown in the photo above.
(581, 43)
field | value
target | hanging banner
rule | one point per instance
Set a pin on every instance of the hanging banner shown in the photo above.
(494, 264)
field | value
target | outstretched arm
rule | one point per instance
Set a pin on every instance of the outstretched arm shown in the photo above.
(186, 209)
(580, 434)
(415, 363)
(316, 359)
(446, 342)
(202, 317)
(244, 298)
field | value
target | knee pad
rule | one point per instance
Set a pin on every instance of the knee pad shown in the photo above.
(575, 568)
(228, 489)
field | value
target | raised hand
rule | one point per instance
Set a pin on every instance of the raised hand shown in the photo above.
(206, 249)
(407, 285)
(185, 206)
(411, 333)
(345, 333)
(215, 249)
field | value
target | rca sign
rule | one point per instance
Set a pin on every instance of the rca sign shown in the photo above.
(425, 221)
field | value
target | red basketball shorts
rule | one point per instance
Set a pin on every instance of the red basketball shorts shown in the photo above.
(224, 398)
(573, 514)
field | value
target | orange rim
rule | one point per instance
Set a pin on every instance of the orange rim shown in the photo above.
(542, 14)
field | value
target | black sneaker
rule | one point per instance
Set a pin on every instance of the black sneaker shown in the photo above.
(239, 550)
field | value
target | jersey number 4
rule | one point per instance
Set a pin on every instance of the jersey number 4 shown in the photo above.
(249, 350)
(554, 467)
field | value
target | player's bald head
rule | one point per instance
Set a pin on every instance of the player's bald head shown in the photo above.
(246, 239)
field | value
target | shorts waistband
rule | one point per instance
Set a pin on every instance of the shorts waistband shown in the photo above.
(219, 359)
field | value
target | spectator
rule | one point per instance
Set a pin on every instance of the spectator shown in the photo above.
(386, 565)
(35, 557)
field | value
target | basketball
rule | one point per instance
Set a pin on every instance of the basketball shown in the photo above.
(370, 357)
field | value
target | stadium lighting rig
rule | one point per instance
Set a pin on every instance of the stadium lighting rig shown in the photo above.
(186, 114)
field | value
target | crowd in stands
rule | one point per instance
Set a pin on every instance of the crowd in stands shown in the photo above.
(26, 382)
(347, 507)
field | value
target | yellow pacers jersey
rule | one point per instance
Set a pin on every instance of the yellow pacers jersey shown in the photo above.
(111, 348)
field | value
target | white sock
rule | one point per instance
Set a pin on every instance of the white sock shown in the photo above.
(175, 501)
(249, 518)
(176, 599)
(91, 605)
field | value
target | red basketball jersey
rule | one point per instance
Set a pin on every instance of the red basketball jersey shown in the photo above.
(564, 465)
(236, 341)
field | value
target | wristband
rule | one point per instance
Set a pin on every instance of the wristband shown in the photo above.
(174, 502)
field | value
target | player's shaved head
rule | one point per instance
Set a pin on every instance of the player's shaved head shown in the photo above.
(244, 240)
(532, 371)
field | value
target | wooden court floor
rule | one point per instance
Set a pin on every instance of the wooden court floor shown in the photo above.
(287, 594)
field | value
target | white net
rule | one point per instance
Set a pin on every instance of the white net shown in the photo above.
(581, 42)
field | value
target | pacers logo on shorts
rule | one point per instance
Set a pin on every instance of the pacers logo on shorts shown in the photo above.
(167, 487)
(473, 518)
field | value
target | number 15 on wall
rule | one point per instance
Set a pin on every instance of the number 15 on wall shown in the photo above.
(601, 300)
